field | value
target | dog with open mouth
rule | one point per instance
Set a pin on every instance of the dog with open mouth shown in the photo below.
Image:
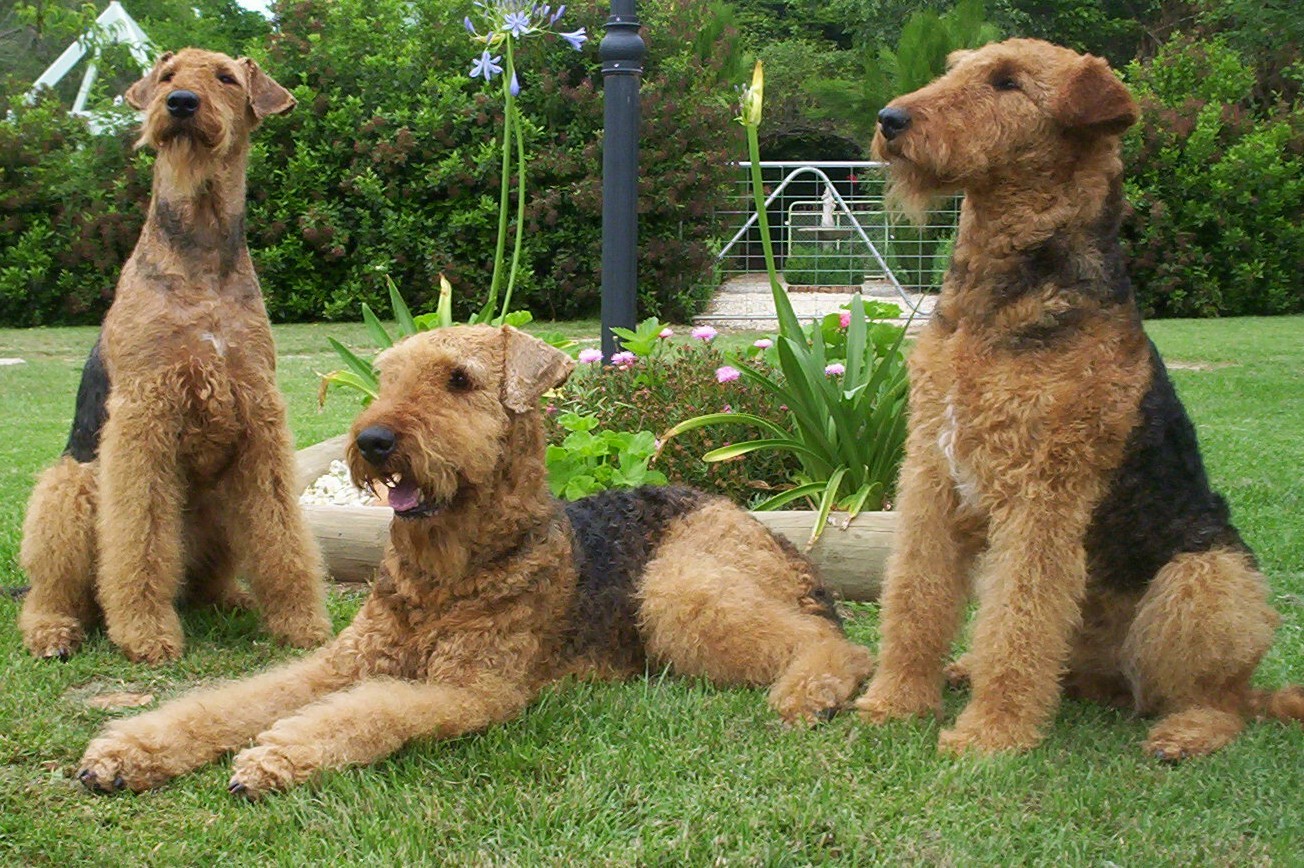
(490, 589)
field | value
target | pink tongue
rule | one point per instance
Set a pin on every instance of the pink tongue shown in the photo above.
(404, 496)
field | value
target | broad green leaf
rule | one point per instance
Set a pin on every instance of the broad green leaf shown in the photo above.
(375, 329)
(402, 316)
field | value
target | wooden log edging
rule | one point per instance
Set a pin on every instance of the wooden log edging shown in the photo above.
(851, 557)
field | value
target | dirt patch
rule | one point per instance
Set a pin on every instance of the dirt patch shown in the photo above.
(110, 696)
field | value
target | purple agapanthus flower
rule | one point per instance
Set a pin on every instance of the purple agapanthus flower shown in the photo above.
(516, 23)
(576, 38)
(486, 65)
(515, 86)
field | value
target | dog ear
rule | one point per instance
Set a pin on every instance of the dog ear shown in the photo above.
(1093, 98)
(531, 367)
(266, 97)
(140, 93)
(953, 59)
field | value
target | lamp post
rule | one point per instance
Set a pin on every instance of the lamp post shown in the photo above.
(621, 52)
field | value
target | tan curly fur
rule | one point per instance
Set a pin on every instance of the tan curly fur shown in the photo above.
(489, 590)
(194, 480)
(1033, 391)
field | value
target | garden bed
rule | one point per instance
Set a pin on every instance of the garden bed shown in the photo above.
(851, 556)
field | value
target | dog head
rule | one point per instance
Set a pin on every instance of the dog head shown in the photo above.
(440, 427)
(1010, 113)
(204, 100)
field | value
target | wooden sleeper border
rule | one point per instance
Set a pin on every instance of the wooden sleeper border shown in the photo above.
(851, 556)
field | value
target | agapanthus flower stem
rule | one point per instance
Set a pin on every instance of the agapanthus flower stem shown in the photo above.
(503, 193)
(519, 134)
(788, 324)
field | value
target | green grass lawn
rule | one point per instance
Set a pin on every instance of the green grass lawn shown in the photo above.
(665, 771)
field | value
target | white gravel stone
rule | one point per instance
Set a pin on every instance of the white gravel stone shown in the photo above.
(336, 488)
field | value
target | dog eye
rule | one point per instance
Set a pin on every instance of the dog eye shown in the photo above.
(458, 381)
(226, 78)
(167, 76)
(1005, 82)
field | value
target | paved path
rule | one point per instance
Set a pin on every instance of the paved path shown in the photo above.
(744, 302)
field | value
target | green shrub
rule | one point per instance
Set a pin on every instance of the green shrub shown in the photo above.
(1216, 185)
(823, 263)
(388, 167)
(70, 212)
(655, 393)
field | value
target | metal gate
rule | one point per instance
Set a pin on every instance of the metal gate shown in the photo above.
(832, 232)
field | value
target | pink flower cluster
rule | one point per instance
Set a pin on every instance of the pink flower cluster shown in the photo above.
(704, 333)
(590, 356)
(727, 374)
(836, 369)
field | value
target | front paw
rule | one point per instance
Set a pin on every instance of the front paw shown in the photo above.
(264, 769)
(898, 700)
(154, 650)
(302, 633)
(55, 639)
(116, 762)
(969, 736)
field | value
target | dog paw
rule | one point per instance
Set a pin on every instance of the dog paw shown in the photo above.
(970, 738)
(264, 769)
(55, 640)
(302, 634)
(154, 650)
(1192, 733)
(114, 763)
(810, 701)
(882, 703)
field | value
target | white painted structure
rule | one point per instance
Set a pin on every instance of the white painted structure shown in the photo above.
(114, 25)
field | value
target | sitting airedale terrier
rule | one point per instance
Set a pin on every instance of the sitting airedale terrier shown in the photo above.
(179, 471)
(491, 589)
(1047, 446)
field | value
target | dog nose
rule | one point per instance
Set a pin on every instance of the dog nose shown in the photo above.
(376, 443)
(893, 122)
(182, 103)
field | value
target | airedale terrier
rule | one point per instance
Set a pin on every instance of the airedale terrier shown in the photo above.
(491, 589)
(1047, 451)
(179, 471)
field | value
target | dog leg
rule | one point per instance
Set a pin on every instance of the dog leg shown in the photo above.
(722, 600)
(1199, 633)
(365, 724)
(275, 548)
(143, 752)
(924, 592)
(140, 523)
(1030, 608)
(58, 555)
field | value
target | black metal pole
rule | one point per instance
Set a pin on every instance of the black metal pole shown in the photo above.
(622, 54)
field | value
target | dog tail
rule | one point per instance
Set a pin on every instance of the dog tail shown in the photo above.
(92, 408)
(1284, 704)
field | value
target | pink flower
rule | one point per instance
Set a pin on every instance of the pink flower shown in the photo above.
(844, 319)
(624, 360)
(763, 344)
(589, 356)
(836, 369)
(704, 333)
(726, 374)
(666, 332)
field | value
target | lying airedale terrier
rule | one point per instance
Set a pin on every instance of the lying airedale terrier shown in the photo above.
(491, 589)
(1047, 446)
(179, 470)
